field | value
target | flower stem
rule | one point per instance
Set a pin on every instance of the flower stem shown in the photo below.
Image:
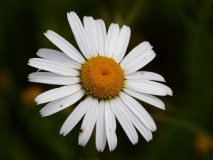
(134, 12)
(183, 124)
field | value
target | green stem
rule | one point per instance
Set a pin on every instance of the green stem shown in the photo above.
(134, 12)
(183, 124)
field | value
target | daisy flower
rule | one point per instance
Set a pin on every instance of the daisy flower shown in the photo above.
(104, 81)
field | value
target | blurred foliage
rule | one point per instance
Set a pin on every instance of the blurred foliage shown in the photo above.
(181, 32)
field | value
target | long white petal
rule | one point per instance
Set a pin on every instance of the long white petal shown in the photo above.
(122, 43)
(57, 93)
(91, 32)
(111, 40)
(149, 87)
(101, 36)
(61, 103)
(144, 75)
(79, 34)
(58, 57)
(139, 62)
(146, 98)
(139, 111)
(101, 128)
(135, 53)
(53, 66)
(110, 126)
(52, 78)
(124, 120)
(145, 132)
(65, 46)
(88, 123)
(76, 115)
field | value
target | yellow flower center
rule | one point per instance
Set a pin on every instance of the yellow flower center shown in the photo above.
(102, 77)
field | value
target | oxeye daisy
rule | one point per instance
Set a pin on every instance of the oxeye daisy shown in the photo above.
(105, 81)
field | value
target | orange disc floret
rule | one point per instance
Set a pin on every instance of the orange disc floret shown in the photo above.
(102, 77)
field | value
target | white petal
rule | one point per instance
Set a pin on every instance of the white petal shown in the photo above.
(145, 132)
(111, 40)
(148, 87)
(58, 57)
(52, 78)
(143, 75)
(57, 93)
(124, 120)
(65, 46)
(122, 43)
(139, 62)
(76, 115)
(110, 126)
(91, 32)
(101, 36)
(101, 128)
(135, 53)
(62, 103)
(88, 123)
(146, 98)
(53, 66)
(139, 111)
(79, 34)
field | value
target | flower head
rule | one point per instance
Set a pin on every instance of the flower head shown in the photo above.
(103, 78)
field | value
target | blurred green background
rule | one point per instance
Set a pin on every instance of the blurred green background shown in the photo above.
(181, 32)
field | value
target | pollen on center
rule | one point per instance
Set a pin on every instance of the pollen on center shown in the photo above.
(102, 77)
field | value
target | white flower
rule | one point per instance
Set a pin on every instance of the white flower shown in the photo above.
(103, 78)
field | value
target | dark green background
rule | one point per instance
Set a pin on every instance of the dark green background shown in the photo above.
(181, 32)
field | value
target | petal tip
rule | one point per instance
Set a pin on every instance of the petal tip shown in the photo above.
(170, 94)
